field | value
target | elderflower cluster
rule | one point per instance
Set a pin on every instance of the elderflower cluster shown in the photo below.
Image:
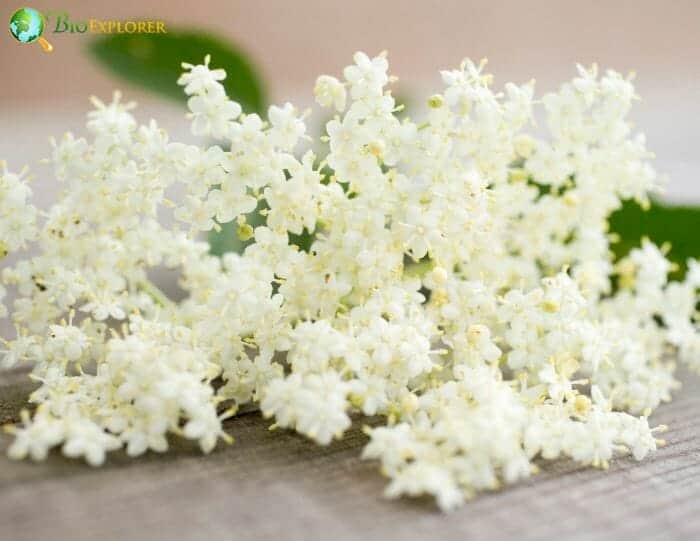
(459, 282)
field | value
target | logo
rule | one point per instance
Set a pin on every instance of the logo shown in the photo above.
(27, 26)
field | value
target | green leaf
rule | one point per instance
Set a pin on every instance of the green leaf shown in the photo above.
(153, 61)
(303, 241)
(227, 240)
(677, 225)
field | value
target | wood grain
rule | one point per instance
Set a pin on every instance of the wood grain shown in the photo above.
(278, 485)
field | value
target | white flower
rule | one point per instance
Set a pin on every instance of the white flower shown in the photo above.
(330, 92)
(200, 78)
(17, 215)
(24, 347)
(212, 112)
(368, 76)
(84, 438)
(444, 270)
(66, 342)
(315, 405)
(111, 123)
(36, 437)
(286, 128)
(104, 306)
(322, 408)
(205, 428)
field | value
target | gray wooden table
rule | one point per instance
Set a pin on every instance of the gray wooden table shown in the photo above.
(278, 485)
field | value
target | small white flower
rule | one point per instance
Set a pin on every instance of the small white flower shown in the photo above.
(66, 342)
(212, 113)
(286, 127)
(330, 92)
(200, 78)
(368, 76)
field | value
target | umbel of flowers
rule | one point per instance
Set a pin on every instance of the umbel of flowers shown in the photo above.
(459, 283)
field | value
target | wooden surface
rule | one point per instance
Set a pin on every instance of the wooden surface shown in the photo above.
(278, 485)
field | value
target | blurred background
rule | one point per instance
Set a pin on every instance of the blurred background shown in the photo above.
(291, 42)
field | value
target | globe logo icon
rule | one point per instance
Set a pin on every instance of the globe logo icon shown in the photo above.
(27, 25)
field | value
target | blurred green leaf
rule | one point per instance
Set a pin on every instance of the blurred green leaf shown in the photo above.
(227, 240)
(303, 241)
(677, 225)
(153, 61)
